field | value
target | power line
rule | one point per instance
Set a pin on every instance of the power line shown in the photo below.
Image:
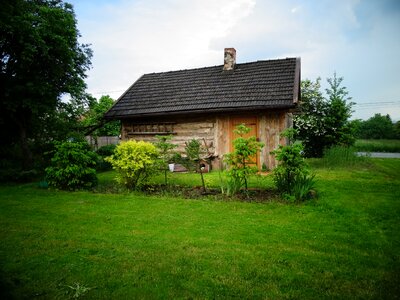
(377, 103)
(107, 92)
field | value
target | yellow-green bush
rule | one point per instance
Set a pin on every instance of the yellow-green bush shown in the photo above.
(135, 163)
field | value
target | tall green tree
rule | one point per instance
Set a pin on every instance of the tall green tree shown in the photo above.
(93, 119)
(324, 121)
(41, 60)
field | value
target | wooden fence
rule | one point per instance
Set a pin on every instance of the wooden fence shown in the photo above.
(100, 141)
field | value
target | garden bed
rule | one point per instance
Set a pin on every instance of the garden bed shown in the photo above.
(196, 192)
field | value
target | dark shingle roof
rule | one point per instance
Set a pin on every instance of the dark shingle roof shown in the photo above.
(257, 85)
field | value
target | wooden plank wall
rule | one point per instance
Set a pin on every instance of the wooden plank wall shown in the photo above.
(184, 129)
(216, 132)
(270, 126)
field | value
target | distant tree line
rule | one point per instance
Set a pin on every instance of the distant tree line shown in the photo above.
(377, 127)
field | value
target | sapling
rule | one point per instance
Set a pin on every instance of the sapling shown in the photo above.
(166, 153)
(194, 153)
(240, 163)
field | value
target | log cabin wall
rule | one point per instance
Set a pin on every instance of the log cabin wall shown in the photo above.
(214, 130)
(183, 130)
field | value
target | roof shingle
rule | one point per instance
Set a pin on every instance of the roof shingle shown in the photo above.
(262, 84)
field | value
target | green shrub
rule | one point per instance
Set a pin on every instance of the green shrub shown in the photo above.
(106, 150)
(103, 152)
(303, 187)
(72, 166)
(240, 164)
(291, 176)
(135, 163)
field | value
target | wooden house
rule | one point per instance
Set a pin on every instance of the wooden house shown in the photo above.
(207, 103)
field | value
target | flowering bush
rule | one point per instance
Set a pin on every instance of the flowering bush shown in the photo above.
(322, 122)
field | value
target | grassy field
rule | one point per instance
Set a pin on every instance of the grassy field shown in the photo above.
(344, 245)
(378, 145)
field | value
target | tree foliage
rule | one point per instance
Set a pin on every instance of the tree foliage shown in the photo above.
(324, 121)
(377, 127)
(93, 118)
(40, 61)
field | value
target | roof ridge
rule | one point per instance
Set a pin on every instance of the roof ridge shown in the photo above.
(221, 66)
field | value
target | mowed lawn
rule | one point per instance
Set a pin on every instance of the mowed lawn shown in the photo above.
(344, 245)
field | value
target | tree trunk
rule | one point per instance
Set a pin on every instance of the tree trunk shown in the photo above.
(27, 157)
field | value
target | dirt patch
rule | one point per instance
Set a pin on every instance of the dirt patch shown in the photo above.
(251, 195)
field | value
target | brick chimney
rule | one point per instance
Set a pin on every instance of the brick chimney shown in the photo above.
(229, 59)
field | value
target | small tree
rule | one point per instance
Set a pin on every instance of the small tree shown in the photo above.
(194, 153)
(135, 162)
(72, 166)
(165, 153)
(240, 163)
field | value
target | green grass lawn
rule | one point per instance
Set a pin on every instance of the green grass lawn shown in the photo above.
(378, 145)
(345, 245)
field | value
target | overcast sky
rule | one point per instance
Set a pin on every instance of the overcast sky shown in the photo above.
(360, 40)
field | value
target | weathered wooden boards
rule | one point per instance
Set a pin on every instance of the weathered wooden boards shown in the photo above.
(215, 131)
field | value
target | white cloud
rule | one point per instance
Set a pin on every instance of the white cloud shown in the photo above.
(135, 38)
(357, 39)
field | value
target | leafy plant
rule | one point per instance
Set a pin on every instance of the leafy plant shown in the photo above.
(103, 152)
(240, 161)
(303, 186)
(106, 150)
(291, 176)
(166, 154)
(194, 153)
(93, 118)
(135, 163)
(72, 166)
(324, 122)
(228, 185)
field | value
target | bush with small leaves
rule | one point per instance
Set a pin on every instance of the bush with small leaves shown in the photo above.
(135, 163)
(103, 152)
(72, 166)
(292, 177)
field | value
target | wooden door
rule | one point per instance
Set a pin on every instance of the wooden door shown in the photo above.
(250, 122)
